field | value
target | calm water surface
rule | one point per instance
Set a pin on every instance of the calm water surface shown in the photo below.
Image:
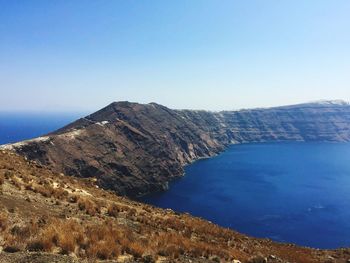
(18, 126)
(290, 192)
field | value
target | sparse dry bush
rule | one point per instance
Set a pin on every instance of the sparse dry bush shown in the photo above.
(104, 249)
(47, 239)
(67, 235)
(90, 207)
(136, 249)
(170, 245)
(96, 241)
(25, 179)
(21, 232)
(67, 244)
(13, 241)
(60, 193)
(16, 182)
(113, 210)
(102, 241)
(45, 191)
(174, 223)
(131, 212)
(122, 208)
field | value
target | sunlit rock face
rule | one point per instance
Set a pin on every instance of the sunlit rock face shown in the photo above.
(136, 149)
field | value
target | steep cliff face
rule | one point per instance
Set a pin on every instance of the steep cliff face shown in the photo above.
(135, 149)
(131, 148)
(326, 121)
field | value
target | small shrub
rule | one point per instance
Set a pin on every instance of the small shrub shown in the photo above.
(60, 193)
(45, 191)
(104, 249)
(113, 210)
(67, 243)
(131, 212)
(136, 249)
(89, 206)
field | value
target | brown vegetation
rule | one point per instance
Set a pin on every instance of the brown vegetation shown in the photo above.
(44, 211)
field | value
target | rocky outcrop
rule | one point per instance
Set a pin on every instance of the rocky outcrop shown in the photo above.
(135, 149)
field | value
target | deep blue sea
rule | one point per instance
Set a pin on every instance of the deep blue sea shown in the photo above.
(289, 192)
(17, 126)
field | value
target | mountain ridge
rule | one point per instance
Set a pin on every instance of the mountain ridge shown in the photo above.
(135, 149)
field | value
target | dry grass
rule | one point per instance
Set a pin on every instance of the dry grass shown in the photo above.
(60, 193)
(45, 191)
(69, 236)
(113, 210)
(104, 226)
(16, 182)
(105, 240)
(89, 206)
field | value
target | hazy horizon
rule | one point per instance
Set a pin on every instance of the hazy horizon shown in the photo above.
(82, 112)
(79, 56)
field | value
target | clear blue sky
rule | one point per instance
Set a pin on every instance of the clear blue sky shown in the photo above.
(202, 54)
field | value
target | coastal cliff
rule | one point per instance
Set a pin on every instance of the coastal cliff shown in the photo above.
(134, 149)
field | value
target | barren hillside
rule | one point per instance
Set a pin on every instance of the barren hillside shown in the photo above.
(50, 217)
